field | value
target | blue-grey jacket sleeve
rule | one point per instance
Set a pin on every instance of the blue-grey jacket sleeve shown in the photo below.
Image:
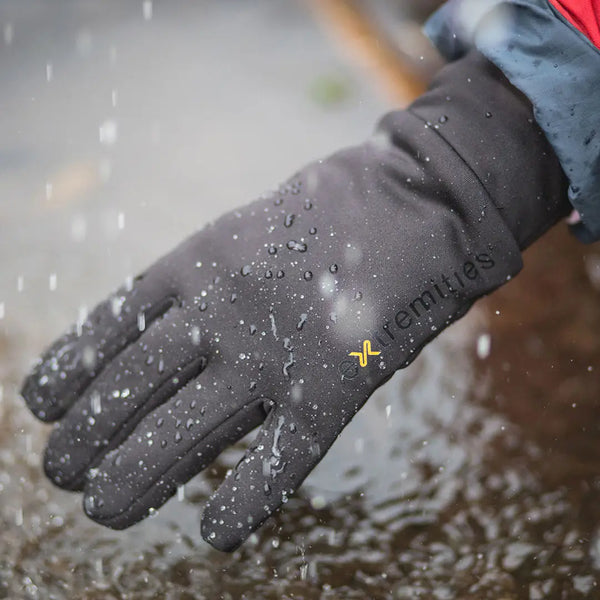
(555, 66)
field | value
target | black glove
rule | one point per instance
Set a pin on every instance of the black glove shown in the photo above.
(291, 311)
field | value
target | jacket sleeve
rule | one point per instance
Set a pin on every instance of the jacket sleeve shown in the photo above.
(550, 50)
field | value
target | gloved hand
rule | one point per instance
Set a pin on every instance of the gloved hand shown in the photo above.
(291, 311)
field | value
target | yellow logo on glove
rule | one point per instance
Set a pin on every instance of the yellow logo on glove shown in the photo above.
(366, 352)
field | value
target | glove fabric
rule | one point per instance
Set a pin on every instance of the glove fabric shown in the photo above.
(291, 311)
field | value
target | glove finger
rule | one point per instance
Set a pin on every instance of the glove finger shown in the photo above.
(146, 374)
(284, 452)
(171, 445)
(72, 362)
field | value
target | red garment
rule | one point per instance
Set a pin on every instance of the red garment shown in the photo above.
(584, 15)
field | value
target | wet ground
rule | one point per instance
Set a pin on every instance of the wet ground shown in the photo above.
(471, 475)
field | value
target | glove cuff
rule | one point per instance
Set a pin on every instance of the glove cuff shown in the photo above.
(490, 124)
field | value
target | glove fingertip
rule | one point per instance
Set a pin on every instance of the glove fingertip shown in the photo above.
(42, 405)
(56, 470)
(219, 535)
(99, 508)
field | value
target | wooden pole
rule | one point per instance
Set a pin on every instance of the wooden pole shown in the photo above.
(368, 48)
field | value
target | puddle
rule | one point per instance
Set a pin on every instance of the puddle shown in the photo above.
(462, 478)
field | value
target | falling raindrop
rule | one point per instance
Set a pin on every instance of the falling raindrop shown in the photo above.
(280, 274)
(308, 275)
(116, 304)
(108, 132)
(333, 268)
(307, 204)
(203, 306)
(269, 274)
(318, 502)
(233, 297)
(272, 250)
(89, 357)
(8, 34)
(289, 220)
(266, 467)
(484, 343)
(312, 230)
(96, 402)
(246, 270)
(195, 335)
(252, 329)
(147, 9)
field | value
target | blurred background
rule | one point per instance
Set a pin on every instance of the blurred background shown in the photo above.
(125, 126)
